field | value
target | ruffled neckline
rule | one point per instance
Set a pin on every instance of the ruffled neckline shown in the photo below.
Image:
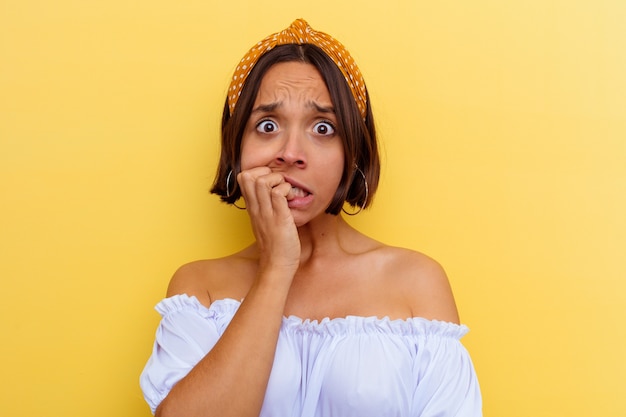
(340, 325)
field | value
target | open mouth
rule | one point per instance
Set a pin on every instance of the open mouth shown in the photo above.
(297, 192)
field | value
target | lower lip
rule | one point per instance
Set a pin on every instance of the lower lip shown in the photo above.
(300, 202)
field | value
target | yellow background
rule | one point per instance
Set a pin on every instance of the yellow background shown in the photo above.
(504, 138)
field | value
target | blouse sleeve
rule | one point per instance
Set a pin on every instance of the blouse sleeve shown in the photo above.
(447, 382)
(186, 333)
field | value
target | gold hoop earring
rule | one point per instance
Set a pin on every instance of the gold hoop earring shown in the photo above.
(357, 169)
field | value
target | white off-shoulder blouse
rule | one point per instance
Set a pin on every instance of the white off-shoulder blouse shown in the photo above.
(353, 366)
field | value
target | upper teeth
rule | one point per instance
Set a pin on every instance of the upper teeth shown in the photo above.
(298, 191)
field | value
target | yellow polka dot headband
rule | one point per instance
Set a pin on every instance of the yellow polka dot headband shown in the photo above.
(301, 33)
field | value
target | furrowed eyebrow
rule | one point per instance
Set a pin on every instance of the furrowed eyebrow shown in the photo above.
(321, 109)
(266, 108)
(271, 107)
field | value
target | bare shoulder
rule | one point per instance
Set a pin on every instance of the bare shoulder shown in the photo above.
(212, 279)
(190, 279)
(424, 283)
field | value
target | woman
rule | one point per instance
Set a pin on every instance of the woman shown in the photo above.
(314, 318)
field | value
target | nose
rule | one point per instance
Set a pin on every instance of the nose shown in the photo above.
(292, 151)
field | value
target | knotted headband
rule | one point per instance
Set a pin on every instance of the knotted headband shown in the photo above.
(301, 33)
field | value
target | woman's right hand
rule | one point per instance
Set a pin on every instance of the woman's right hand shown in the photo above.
(235, 380)
(265, 193)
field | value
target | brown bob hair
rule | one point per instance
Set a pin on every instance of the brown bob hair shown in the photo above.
(357, 134)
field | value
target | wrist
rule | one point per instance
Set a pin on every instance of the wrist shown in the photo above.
(277, 273)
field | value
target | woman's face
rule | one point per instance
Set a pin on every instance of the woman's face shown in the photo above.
(292, 131)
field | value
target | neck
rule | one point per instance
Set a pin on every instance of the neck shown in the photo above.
(322, 236)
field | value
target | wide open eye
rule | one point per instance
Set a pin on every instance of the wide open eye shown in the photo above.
(266, 126)
(324, 128)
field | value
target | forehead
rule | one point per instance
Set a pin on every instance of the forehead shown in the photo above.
(290, 77)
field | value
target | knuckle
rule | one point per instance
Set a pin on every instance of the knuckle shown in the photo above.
(276, 192)
(245, 176)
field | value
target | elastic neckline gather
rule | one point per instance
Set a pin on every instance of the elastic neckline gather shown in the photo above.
(353, 324)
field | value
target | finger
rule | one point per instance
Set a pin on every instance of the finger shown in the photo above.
(246, 180)
(282, 189)
(257, 185)
(280, 202)
(267, 187)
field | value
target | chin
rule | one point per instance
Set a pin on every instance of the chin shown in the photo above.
(300, 219)
(303, 218)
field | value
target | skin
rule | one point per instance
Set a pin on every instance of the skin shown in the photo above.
(304, 262)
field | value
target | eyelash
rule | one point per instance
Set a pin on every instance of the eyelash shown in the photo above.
(330, 124)
(261, 122)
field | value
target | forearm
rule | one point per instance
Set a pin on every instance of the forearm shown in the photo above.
(232, 378)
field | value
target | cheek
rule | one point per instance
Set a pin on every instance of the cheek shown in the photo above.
(252, 156)
(332, 170)
(245, 161)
